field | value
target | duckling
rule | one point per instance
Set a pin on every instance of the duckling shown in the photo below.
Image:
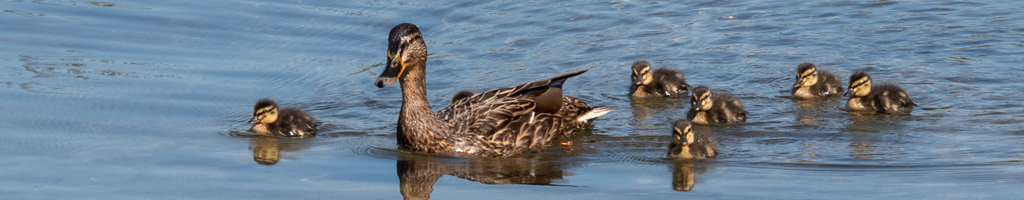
(462, 95)
(690, 145)
(662, 82)
(813, 83)
(288, 122)
(883, 98)
(715, 109)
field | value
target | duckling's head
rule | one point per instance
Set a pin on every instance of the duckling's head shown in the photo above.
(462, 95)
(405, 44)
(682, 133)
(860, 84)
(264, 112)
(642, 73)
(701, 100)
(806, 75)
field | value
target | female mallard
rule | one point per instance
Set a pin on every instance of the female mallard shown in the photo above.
(813, 83)
(884, 98)
(689, 145)
(288, 122)
(663, 82)
(715, 109)
(497, 123)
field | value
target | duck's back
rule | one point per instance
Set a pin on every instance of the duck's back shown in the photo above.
(889, 97)
(726, 109)
(828, 85)
(670, 83)
(499, 121)
(293, 122)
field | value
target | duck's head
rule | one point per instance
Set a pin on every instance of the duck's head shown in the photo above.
(642, 73)
(264, 112)
(461, 96)
(701, 100)
(682, 133)
(405, 44)
(806, 75)
(860, 85)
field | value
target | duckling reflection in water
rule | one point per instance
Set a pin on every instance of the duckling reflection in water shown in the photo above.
(266, 151)
(687, 144)
(719, 108)
(662, 82)
(683, 176)
(287, 122)
(813, 83)
(885, 98)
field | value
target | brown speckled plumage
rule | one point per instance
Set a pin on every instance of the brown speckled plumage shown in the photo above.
(495, 123)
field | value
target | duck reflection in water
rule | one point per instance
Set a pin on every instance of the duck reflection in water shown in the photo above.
(418, 173)
(266, 150)
(683, 175)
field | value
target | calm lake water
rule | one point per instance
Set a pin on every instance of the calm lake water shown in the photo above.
(149, 99)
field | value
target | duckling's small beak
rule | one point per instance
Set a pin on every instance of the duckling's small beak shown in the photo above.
(638, 82)
(798, 83)
(393, 68)
(254, 119)
(846, 94)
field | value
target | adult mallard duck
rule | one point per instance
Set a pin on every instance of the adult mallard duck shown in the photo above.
(288, 122)
(497, 123)
(662, 82)
(813, 83)
(883, 98)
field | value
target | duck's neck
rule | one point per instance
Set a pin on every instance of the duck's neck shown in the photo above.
(414, 91)
(418, 127)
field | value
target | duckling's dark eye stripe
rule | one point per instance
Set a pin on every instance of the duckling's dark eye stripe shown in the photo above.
(809, 72)
(859, 84)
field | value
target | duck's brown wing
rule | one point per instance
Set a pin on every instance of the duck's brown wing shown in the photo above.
(499, 116)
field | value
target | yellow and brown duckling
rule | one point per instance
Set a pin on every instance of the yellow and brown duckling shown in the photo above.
(462, 95)
(502, 122)
(688, 144)
(719, 108)
(288, 122)
(884, 98)
(662, 82)
(813, 83)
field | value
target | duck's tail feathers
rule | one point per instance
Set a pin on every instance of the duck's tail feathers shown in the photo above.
(593, 113)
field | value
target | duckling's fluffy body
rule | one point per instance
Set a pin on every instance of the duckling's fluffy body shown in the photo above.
(688, 144)
(813, 83)
(884, 98)
(719, 108)
(662, 82)
(288, 122)
(462, 95)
